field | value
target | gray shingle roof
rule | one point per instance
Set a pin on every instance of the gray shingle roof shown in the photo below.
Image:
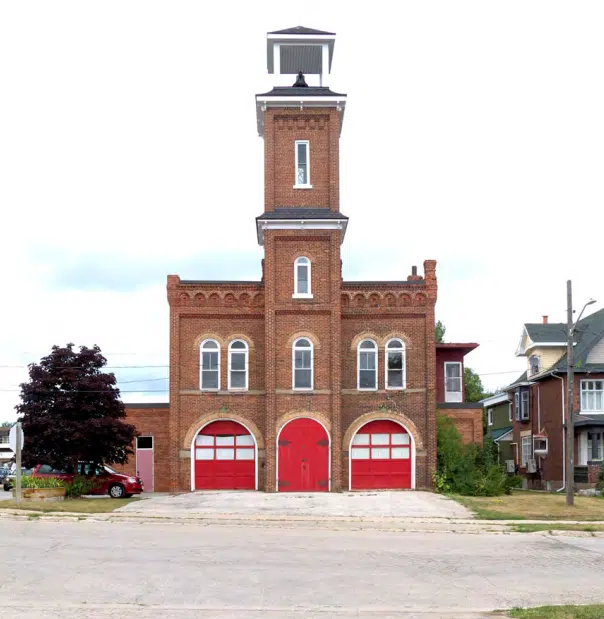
(554, 332)
(300, 30)
(521, 379)
(308, 91)
(294, 212)
(495, 434)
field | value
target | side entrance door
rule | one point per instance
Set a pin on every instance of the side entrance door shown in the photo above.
(144, 461)
(303, 448)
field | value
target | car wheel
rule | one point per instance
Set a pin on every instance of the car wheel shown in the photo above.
(117, 491)
(6, 487)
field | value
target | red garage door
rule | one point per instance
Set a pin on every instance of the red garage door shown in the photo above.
(225, 457)
(380, 457)
(303, 457)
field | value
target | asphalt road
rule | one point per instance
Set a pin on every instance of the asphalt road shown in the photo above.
(52, 570)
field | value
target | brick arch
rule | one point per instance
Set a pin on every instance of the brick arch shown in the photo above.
(239, 336)
(207, 419)
(420, 299)
(207, 336)
(404, 299)
(358, 423)
(366, 335)
(305, 254)
(284, 419)
(359, 300)
(398, 335)
(311, 336)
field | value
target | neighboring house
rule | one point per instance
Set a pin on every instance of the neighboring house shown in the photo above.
(499, 414)
(6, 453)
(302, 381)
(538, 399)
(450, 390)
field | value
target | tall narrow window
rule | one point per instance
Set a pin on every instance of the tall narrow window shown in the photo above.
(302, 362)
(238, 365)
(302, 277)
(490, 417)
(525, 405)
(526, 450)
(367, 364)
(395, 364)
(210, 365)
(453, 388)
(302, 150)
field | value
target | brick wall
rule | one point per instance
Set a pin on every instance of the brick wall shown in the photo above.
(468, 421)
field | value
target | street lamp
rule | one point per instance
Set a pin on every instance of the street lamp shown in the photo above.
(570, 427)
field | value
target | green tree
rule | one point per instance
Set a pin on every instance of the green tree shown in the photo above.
(6, 424)
(440, 332)
(71, 411)
(472, 387)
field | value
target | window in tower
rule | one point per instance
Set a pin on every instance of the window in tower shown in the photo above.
(302, 152)
(302, 278)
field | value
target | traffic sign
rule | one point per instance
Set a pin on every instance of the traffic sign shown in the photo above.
(12, 437)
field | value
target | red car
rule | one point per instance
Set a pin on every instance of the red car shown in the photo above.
(104, 478)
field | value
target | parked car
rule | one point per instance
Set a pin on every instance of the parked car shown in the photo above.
(9, 480)
(4, 472)
(104, 479)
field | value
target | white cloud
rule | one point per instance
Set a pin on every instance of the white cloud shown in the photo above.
(473, 136)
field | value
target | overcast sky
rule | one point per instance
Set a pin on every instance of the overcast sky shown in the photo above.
(474, 135)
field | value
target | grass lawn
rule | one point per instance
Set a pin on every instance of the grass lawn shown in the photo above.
(595, 611)
(522, 504)
(80, 506)
(532, 528)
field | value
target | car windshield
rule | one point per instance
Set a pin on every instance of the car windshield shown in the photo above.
(109, 469)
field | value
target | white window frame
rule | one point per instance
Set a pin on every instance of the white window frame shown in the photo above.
(403, 350)
(306, 185)
(308, 264)
(201, 387)
(544, 447)
(526, 441)
(451, 399)
(600, 445)
(244, 351)
(584, 390)
(510, 412)
(525, 405)
(312, 364)
(375, 371)
(517, 404)
(489, 416)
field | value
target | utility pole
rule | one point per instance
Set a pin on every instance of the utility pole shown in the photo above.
(18, 469)
(570, 428)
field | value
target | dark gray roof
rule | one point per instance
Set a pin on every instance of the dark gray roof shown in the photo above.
(521, 379)
(588, 332)
(554, 332)
(309, 91)
(300, 30)
(230, 282)
(377, 282)
(294, 212)
(497, 434)
(587, 420)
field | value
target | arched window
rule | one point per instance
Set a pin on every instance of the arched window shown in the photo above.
(395, 364)
(238, 365)
(302, 364)
(367, 365)
(302, 277)
(210, 365)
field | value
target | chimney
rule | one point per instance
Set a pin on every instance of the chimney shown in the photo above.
(414, 270)
(545, 319)
(414, 276)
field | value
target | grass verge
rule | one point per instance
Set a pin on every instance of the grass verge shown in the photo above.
(526, 505)
(593, 611)
(532, 528)
(79, 506)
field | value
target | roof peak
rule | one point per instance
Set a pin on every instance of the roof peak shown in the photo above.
(302, 30)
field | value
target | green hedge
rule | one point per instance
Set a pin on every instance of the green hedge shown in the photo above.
(41, 482)
(471, 469)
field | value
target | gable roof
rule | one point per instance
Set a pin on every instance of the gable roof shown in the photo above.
(498, 434)
(550, 333)
(301, 30)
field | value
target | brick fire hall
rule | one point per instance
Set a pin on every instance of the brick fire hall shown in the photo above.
(302, 381)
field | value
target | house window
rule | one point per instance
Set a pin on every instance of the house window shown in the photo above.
(453, 381)
(595, 446)
(534, 364)
(592, 395)
(540, 446)
(395, 364)
(302, 277)
(490, 417)
(526, 450)
(302, 151)
(302, 364)
(517, 404)
(238, 365)
(510, 412)
(210, 365)
(524, 406)
(367, 365)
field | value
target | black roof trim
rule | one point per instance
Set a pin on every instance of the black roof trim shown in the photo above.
(301, 30)
(147, 404)
(309, 91)
(286, 212)
(401, 282)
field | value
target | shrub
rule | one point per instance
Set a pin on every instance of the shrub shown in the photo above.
(79, 486)
(467, 469)
(600, 482)
(41, 482)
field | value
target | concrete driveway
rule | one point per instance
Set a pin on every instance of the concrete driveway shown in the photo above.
(348, 504)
